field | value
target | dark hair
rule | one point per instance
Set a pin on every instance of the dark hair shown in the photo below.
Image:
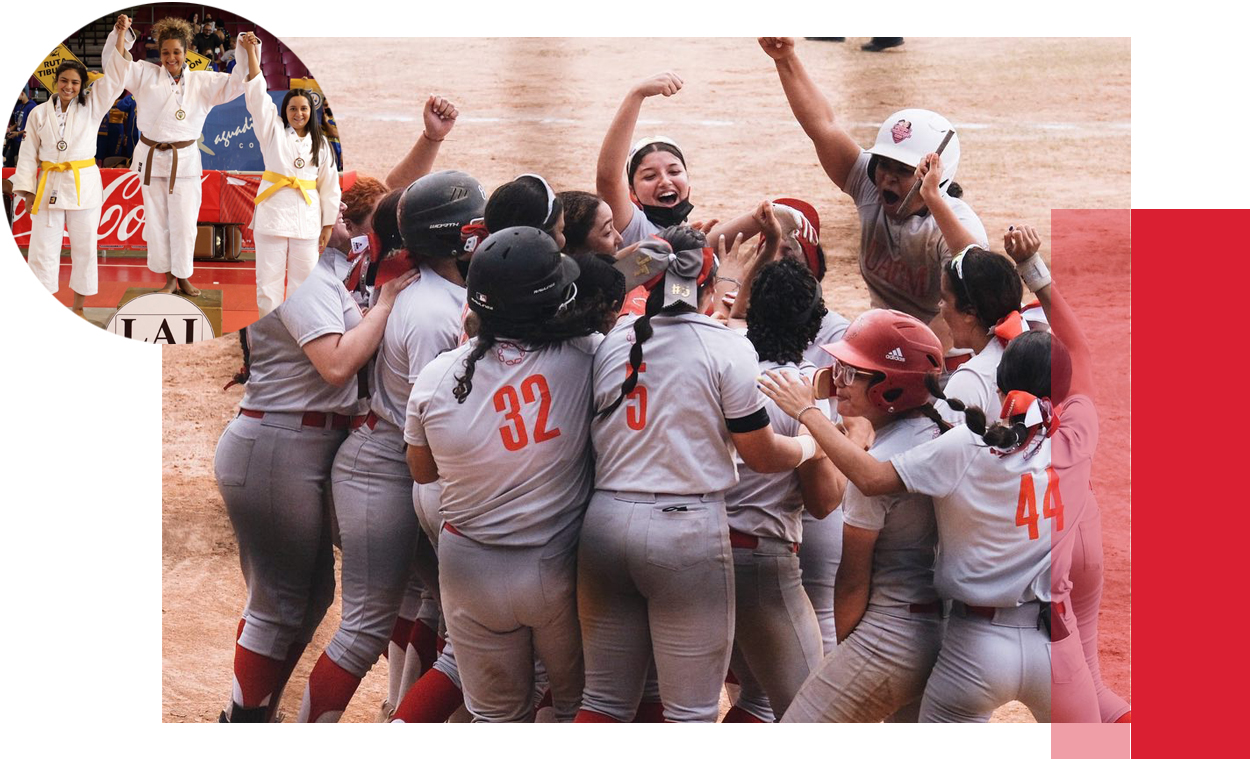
(1025, 365)
(579, 218)
(386, 224)
(654, 147)
(172, 29)
(576, 321)
(643, 332)
(520, 203)
(314, 123)
(600, 288)
(990, 287)
(70, 65)
(785, 311)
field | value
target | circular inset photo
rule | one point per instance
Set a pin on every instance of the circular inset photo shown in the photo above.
(172, 149)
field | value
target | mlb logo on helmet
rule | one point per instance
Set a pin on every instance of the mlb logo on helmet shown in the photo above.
(161, 318)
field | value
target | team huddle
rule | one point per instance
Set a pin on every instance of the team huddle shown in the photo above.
(589, 461)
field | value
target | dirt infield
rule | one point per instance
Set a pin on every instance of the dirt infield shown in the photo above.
(1044, 125)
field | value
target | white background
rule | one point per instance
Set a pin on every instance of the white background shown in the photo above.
(83, 455)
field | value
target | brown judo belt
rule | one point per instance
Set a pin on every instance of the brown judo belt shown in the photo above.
(153, 146)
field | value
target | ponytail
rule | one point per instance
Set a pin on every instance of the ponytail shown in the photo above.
(464, 383)
(642, 332)
(1001, 436)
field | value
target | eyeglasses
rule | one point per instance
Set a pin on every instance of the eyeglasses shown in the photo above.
(551, 199)
(845, 374)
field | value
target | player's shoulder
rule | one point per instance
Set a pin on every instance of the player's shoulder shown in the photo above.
(436, 371)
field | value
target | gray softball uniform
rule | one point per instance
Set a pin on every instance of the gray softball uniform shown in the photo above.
(776, 633)
(273, 465)
(999, 528)
(639, 228)
(371, 481)
(507, 552)
(884, 663)
(821, 550)
(655, 573)
(975, 382)
(901, 260)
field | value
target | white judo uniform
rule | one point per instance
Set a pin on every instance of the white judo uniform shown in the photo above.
(171, 113)
(304, 198)
(57, 165)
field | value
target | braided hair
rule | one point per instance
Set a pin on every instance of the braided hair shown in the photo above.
(786, 311)
(600, 290)
(1025, 365)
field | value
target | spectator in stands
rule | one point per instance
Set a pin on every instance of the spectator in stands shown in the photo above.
(151, 51)
(17, 127)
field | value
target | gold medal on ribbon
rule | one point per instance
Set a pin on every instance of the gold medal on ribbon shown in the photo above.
(62, 145)
(180, 114)
(299, 163)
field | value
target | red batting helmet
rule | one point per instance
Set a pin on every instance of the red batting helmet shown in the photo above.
(897, 346)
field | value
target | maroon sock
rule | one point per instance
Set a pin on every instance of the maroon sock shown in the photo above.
(330, 688)
(432, 698)
(740, 715)
(425, 642)
(544, 703)
(258, 676)
(649, 711)
(586, 715)
(400, 634)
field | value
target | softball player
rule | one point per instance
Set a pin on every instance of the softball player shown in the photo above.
(273, 470)
(777, 640)
(298, 198)
(646, 184)
(371, 481)
(1009, 622)
(507, 552)
(662, 440)
(60, 146)
(791, 228)
(172, 104)
(588, 227)
(981, 307)
(901, 248)
(889, 618)
(1072, 454)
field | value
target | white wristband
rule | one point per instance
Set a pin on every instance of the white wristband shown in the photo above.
(808, 444)
(1034, 272)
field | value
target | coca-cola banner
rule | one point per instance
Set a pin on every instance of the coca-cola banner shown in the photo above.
(226, 199)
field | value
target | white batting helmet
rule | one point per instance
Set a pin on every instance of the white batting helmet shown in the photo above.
(911, 134)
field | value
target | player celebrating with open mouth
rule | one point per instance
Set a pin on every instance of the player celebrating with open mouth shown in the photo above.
(904, 239)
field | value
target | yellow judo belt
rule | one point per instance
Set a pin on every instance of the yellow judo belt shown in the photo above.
(49, 167)
(278, 182)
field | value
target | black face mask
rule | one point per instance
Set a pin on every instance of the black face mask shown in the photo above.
(665, 217)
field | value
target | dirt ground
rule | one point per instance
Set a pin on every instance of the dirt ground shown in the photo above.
(1044, 124)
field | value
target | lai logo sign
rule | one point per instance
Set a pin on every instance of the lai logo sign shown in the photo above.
(161, 318)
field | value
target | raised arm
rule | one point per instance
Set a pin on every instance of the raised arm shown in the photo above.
(1022, 244)
(438, 116)
(794, 396)
(956, 235)
(131, 71)
(338, 357)
(107, 88)
(834, 147)
(266, 121)
(610, 180)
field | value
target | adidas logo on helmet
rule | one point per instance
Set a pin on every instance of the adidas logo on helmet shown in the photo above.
(896, 355)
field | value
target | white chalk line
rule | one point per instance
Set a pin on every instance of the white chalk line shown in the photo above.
(1041, 126)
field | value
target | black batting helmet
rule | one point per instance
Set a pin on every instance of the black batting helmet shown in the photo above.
(519, 274)
(434, 211)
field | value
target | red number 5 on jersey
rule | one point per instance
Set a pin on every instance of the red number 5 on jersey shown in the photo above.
(636, 402)
(508, 402)
(1052, 504)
